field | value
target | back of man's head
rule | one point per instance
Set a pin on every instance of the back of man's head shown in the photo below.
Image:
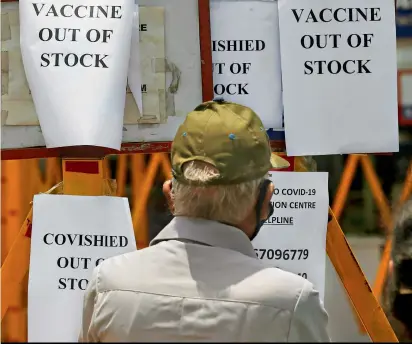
(223, 203)
(220, 155)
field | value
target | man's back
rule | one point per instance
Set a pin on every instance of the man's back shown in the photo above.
(186, 287)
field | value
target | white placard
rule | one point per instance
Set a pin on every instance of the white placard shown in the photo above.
(246, 57)
(339, 76)
(76, 58)
(294, 237)
(70, 235)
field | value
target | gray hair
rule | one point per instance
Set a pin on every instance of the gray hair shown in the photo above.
(223, 203)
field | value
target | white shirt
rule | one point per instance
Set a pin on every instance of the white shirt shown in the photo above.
(199, 281)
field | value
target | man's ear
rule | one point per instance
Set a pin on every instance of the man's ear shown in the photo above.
(167, 191)
(266, 203)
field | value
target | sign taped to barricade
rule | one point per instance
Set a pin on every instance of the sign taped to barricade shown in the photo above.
(339, 74)
(76, 58)
(246, 56)
(70, 236)
(294, 237)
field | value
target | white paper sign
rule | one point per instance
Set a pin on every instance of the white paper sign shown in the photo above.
(76, 57)
(70, 236)
(339, 76)
(246, 57)
(294, 238)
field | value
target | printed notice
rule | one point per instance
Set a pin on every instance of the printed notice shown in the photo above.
(75, 57)
(246, 56)
(294, 237)
(71, 235)
(339, 75)
(150, 65)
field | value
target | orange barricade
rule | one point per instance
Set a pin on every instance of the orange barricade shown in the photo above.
(382, 203)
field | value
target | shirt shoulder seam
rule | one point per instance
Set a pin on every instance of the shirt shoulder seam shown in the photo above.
(198, 298)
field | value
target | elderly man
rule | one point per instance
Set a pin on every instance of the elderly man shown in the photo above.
(200, 279)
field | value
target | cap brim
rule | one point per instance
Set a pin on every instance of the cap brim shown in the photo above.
(278, 162)
(405, 291)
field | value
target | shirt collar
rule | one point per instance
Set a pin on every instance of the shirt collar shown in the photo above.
(208, 232)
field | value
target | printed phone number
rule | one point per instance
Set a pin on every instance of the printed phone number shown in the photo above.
(287, 254)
